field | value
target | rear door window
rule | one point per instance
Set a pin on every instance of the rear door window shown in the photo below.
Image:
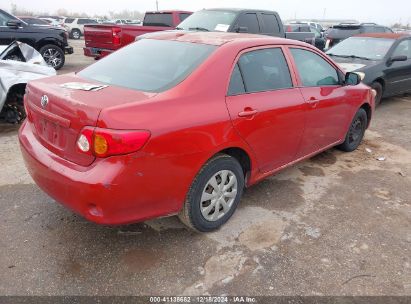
(265, 70)
(314, 70)
(68, 20)
(158, 19)
(236, 83)
(269, 24)
(250, 21)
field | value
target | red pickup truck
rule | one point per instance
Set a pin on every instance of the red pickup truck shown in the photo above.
(103, 39)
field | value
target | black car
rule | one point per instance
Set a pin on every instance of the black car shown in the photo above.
(340, 32)
(318, 39)
(50, 41)
(384, 59)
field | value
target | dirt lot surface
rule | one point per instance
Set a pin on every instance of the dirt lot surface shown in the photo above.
(338, 224)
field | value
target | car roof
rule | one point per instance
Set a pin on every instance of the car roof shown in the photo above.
(168, 12)
(238, 10)
(221, 38)
(395, 36)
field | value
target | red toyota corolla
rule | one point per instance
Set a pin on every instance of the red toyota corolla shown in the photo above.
(180, 123)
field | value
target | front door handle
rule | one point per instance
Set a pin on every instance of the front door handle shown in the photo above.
(247, 112)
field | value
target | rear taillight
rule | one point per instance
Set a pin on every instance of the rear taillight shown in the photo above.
(108, 142)
(116, 35)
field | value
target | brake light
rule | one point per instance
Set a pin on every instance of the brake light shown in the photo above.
(108, 142)
(116, 35)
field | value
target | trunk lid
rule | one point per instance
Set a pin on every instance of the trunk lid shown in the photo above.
(59, 121)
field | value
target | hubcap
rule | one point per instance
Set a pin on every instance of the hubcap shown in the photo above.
(52, 57)
(355, 131)
(76, 35)
(219, 195)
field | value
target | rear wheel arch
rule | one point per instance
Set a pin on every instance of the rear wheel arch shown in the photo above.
(241, 156)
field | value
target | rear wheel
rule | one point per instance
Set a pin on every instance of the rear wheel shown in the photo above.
(214, 194)
(380, 90)
(76, 34)
(356, 132)
(53, 55)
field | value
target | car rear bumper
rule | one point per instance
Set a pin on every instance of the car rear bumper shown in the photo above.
(96, 52)
(111, 191)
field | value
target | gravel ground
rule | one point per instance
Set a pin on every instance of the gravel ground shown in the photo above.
(337, 224)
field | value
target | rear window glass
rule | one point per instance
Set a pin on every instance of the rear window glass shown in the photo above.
(344, 31)
(159, 19)
(270, 24)
(149, 65)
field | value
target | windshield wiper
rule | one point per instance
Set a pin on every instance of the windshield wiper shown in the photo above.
(199, 29)
(179, 28)
(348, 56)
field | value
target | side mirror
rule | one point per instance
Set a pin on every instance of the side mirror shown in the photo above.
(14, 24)
(352, 79)
(241, 29)
(397, 58)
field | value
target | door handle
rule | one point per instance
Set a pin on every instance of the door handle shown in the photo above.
(313, 102)
(247, 112)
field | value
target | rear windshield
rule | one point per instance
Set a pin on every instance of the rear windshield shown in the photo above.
(344, 31)
(149, 65)
(158, 19)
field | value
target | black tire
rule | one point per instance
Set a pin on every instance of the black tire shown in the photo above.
(380, 91)
(356, 132)
(13, 111)
(75, 34)
(53, 55)
(191, 214)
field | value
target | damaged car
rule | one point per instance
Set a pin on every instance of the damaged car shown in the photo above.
(19, 63)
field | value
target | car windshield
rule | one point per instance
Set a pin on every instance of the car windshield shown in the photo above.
(363, 47)
(149, 65)
(206, 20)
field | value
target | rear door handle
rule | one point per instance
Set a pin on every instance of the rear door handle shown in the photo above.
(313, 102)
(247, 112)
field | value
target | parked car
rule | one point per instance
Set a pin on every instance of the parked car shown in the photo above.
(306, 30)
(50, 41)
(34, 21)
(75, 26)
(19, 63)
(103, 39)
(384, 59)
(186, 123)
(242, 21)
(316, 25)
(338, 33)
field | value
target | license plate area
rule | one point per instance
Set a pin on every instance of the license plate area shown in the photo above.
(50, 132)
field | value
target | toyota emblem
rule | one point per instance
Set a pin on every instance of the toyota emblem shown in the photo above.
(44, 101)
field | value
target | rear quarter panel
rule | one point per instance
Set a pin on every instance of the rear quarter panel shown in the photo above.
(188, 125)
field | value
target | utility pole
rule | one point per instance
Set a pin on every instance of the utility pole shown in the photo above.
(157, 5)
(325, 12)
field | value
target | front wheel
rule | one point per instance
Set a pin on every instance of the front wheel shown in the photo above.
(53, 55)
(356, 132)
(214, 194)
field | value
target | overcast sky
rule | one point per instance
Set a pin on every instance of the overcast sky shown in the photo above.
(380, 11)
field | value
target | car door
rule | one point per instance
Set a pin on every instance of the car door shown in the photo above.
(398, 73)
(326, 100)
(265, 107)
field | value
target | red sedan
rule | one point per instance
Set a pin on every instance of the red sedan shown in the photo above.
(180, 123)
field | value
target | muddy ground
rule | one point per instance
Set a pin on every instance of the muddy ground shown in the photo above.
(338, 224)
